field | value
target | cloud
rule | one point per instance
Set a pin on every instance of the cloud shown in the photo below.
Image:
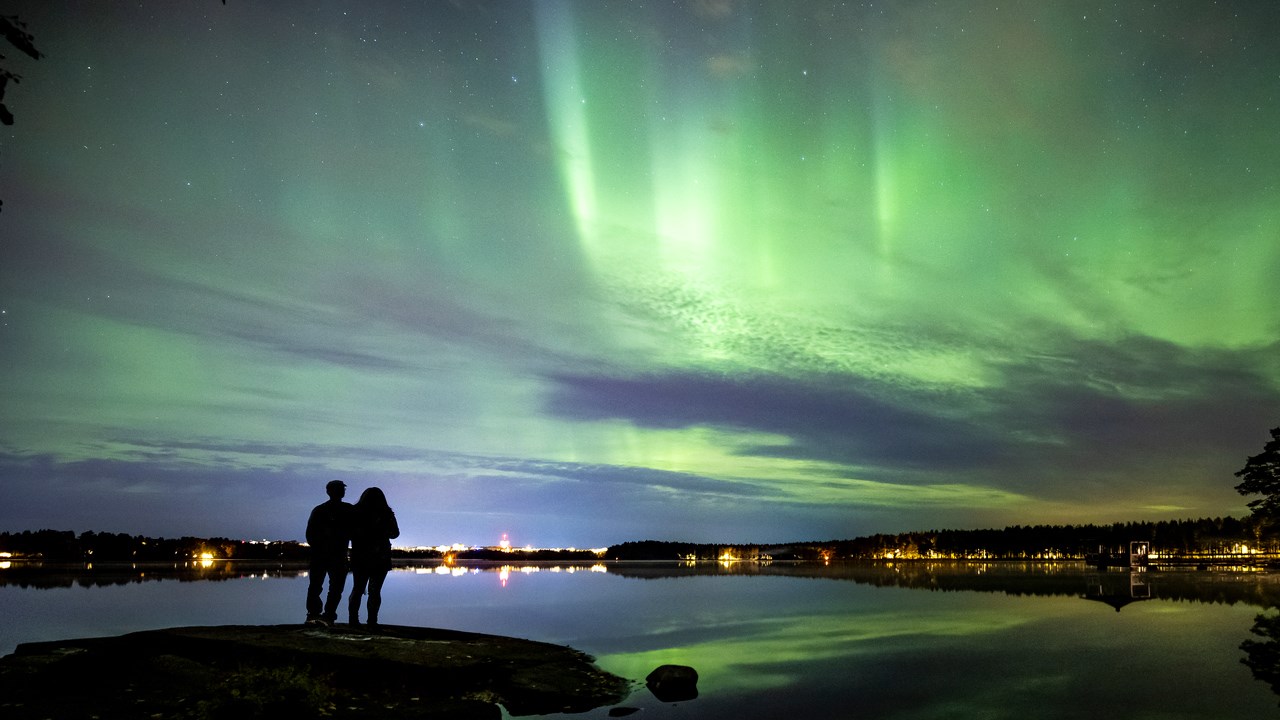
(834, 418)
(1113, 414)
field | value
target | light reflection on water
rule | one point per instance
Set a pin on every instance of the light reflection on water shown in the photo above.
(913, 641)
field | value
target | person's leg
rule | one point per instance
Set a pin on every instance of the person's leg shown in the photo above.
(315, 582)
(358, 582)
(375, 594)
(337, 579)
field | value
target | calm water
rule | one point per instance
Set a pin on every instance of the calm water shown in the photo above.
(915, 641)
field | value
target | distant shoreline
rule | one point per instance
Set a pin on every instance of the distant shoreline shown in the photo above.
(106, 566)
(1205, 541)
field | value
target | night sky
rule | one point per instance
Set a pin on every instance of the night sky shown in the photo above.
(588, 272)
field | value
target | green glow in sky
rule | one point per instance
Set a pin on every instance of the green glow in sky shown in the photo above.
(586, 272)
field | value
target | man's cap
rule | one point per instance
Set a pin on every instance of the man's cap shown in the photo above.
(336, 483)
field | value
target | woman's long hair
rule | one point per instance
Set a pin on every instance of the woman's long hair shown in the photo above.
(373, 500)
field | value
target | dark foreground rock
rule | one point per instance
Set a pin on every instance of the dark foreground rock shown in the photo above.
(287, 671)
(673, 683)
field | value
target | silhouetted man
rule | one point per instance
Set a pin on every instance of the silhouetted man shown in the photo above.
(328, 532)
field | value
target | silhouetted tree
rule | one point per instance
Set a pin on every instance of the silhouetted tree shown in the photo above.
(15, 31)
(1262, 477)
(1263, 656)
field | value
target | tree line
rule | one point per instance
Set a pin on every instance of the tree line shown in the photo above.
(90, 546)
(1168, 537)
(67, 546)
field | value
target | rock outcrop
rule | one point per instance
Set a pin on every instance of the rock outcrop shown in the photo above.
(286, 671)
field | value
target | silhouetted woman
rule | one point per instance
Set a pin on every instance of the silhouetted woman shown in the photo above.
(372, 529)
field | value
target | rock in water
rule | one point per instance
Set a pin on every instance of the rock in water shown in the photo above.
(278, 671)
(673, 683)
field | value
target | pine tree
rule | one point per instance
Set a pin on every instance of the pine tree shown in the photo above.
(1262, 477)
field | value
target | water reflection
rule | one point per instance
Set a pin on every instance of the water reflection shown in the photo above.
(1118, 589)
(959, 640)
(763, 657)
(49, 576)
(503, 571)
(1262, 656)
(907, 640)
(788, 645)
(1115, 587)
(39, 575)
(1067, 579)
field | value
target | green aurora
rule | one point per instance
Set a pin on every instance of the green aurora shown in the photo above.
(587, 272)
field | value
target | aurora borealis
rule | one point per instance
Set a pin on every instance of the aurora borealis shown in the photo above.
(586, 272)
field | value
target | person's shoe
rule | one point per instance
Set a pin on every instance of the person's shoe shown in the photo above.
(313, 620)
(329, 620)
(355, 620)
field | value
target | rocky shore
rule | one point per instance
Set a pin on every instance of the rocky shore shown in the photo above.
(289, 671)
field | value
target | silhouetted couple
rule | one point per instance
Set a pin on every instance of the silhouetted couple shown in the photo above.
(369, 526)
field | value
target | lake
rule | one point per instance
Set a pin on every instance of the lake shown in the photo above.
(909, 641)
